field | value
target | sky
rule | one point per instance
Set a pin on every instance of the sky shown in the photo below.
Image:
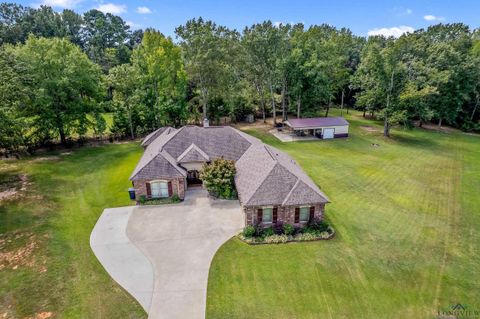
(362, 17)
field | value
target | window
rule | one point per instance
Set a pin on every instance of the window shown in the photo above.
(159, 189)
(304, 214)
(267, 215)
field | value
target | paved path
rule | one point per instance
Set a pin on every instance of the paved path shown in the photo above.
(180, 241)
(122, 260)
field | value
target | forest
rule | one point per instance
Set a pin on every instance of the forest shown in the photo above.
(60, 72)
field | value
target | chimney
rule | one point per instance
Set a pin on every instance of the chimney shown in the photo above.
(205, 122)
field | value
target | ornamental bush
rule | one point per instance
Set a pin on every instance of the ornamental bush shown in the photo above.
(288, 229)
(248, 231)
(218, 178)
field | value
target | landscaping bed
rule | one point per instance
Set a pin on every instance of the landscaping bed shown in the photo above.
(159, 201)
(286, 233)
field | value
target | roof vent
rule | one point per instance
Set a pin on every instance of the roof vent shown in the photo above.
(205, 122)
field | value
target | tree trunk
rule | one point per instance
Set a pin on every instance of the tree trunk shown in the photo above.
(440, 122)
(420, 124)
(132, 135)
(341, 105)
(299, 101)
(386, 125)
(155, 89)
(63, 138)
(274, 111)
(328, 107)
(364, 111)
(474, 109)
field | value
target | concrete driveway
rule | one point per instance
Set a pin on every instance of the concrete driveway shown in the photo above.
(180, 242)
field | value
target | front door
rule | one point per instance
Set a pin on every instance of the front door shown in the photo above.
(193, 177)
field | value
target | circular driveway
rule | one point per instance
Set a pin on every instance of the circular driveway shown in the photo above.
(180, 241)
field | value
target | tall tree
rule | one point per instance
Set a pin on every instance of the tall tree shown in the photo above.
(64, 86)
(205, 52)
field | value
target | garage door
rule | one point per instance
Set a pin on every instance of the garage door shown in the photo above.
(328, 133)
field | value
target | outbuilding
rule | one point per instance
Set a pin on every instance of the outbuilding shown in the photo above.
(322, 127)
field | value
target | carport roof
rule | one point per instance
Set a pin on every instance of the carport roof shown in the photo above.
(316, 122)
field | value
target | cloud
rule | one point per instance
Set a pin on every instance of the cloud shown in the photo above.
(408, 11)
(68, 4)
(112, 8)
(144, 10)
(391, 32)
(430, 17)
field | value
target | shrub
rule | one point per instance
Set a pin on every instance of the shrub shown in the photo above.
(218, 178)
(288, 229)
(268, 232)
(278, 227)
(276, 239)
(258, 230)
(318, 225)
(248, 231)
(142, 199)
(175, 198)
(305, 237)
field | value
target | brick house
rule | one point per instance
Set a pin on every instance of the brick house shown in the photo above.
(271, 187)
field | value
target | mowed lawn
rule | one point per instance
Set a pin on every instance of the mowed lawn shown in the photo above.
(407, 217)
(46, 265)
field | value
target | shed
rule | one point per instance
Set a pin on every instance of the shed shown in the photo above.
(322, 127)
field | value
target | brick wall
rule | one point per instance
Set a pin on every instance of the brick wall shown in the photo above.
(178, 187)
(285, 214)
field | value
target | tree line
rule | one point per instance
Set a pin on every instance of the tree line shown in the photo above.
(60, 71)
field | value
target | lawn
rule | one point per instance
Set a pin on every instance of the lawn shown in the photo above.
(46, 264)
(406, 213)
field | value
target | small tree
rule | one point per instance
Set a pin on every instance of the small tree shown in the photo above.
(218, 178)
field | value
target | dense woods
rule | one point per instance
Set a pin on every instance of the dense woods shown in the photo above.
(59, 71)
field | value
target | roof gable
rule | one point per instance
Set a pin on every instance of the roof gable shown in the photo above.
(193, 154)
(301, 193)
(159, 166)
(274, 188)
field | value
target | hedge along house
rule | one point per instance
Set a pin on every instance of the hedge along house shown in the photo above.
(271, 187)
(322, 127)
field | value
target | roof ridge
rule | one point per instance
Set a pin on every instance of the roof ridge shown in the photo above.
(270, 153)
(260, 184)
(291, 191)
(168, 139)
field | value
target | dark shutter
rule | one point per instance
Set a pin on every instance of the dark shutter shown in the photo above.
(312, 212)
(259, 215)
(274, 218)
(170, 190)
(149, 189)
(297, 215)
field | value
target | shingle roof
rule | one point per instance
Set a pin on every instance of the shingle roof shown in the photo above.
(193, 154)
(152, 136)
(216, 141)
(316, 122)
(265, 175)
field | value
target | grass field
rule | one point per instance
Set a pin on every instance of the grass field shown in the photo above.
(46, 264)
(407, 215)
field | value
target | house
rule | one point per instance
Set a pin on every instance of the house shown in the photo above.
(323, 127)
(271, 187)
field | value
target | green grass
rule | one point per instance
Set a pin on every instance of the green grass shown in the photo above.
(63, 201)
(407, 215)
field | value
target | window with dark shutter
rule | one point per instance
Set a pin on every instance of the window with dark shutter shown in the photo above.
(312, 212)
(170, 190)
(259, 215)
(297, 215)
(149, 189)
(274, 215)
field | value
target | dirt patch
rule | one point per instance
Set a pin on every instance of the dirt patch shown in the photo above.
(369, 128)
(42, 315)
(443, 129)
(12, 185)
(22, 256)
(47, 158)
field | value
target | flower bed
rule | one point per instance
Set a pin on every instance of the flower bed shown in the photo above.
(158, 201)
(315, 230)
